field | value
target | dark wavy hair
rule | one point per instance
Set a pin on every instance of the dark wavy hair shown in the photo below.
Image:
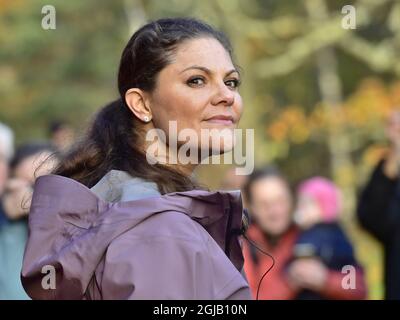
(111, 142)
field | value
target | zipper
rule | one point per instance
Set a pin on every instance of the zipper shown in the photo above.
(228, 227)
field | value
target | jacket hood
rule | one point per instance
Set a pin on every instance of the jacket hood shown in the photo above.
(70, 228)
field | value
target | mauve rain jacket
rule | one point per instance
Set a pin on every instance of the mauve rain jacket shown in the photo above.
(179, 245)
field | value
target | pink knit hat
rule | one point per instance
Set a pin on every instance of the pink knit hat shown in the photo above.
(326, 194)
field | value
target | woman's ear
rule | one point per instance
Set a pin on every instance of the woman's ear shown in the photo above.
(137, 101)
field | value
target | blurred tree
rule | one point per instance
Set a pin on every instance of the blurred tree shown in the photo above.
(64, 73)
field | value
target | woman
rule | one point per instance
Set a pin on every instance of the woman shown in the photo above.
(112, 223)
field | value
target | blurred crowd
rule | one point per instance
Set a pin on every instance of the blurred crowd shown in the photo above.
(19, 168)
(297, 226)
(300, 227)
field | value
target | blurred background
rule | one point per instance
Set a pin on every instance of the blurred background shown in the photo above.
(317, 95)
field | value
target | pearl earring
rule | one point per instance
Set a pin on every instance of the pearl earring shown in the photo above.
(146, 118)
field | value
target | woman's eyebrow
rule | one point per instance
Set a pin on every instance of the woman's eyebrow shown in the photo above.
(208, 71)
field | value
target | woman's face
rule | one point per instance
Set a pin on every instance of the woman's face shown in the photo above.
(35, 166)
(199, 90)
(4, 171)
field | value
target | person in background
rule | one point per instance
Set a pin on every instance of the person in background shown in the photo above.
(24, 168)
(379, 208)
(62, 135)
(6, 153)
(322, 246)
(27, 164)
(12, 234)
(270, 204)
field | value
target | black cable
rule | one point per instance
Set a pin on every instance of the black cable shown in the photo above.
(267, 254)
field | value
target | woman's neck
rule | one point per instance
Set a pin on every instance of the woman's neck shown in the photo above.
(159, 152)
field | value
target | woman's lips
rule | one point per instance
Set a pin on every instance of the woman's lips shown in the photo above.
(222, 120)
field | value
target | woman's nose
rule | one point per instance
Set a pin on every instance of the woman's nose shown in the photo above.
(223, 95)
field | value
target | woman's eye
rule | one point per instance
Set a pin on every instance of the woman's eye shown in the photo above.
(233, 83)
(195, 81)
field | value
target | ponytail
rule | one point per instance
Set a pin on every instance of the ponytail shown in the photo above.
(111, 143)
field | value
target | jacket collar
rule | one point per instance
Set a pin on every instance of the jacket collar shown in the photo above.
(118, 185)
